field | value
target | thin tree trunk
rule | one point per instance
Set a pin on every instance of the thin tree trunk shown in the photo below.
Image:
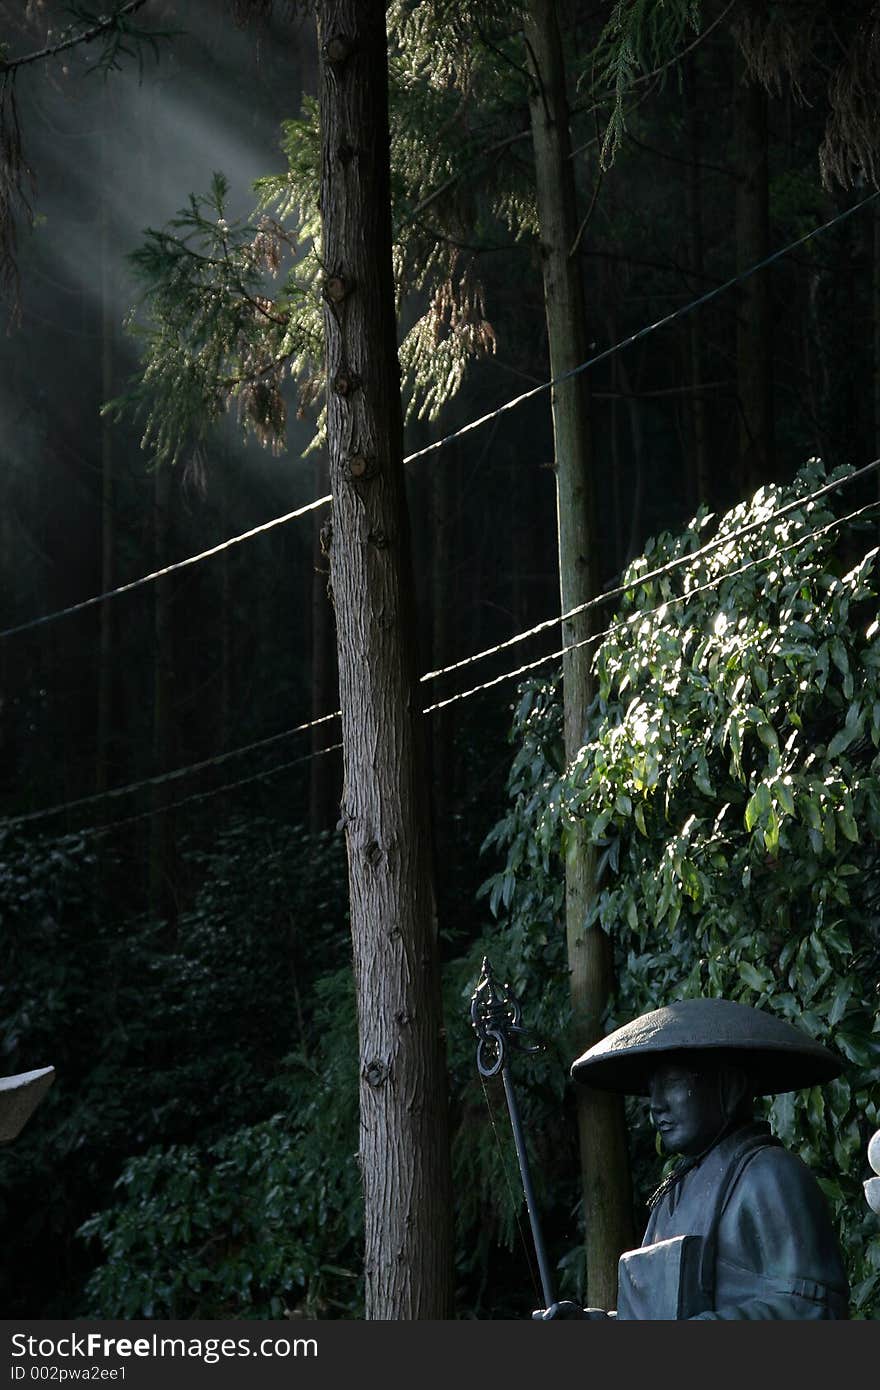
(161, 831)
(442, 722)
(875, 293)
(753, 335)
(225, 700)
(323, 770)
(699, 471)
(108, 533)
(404, 1143)
(603, 1150)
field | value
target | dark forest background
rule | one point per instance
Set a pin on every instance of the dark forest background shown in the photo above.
(179, 951)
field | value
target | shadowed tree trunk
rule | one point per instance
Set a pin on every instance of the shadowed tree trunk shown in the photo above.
(875, 301)
(404, 1144)
(700, 482)
(753, 328)
(603, 1149)
(161, 830)
(443, 721)
(108, 533)
(324, 769)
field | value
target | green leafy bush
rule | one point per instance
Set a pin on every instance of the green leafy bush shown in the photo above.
(729, 778)
(168, 1042)
(263, 1222)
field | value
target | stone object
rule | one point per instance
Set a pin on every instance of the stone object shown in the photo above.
(19, 1097)
(872, 1186)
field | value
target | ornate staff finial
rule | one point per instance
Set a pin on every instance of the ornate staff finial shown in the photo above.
(495, 1015)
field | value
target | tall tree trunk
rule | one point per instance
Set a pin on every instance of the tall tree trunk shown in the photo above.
(404, 1143)
(323, 770)
(604, 1162)
(700, 482)
(161, 831)
(875, 299)
(108, 533)
(753, 335)
(225, 694)
(442, 722)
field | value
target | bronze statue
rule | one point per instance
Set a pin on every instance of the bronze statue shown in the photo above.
(739, 1229)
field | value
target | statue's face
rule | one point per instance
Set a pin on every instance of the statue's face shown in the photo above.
(685, 1108)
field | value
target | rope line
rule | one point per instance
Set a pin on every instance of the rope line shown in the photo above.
(526, 668)
(166, 569)
(666, 603)
(455, 434)
(642, 332)
(161, 778)
(607, 595)
(197, 796)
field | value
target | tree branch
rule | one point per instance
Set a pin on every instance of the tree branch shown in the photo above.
(86, 36)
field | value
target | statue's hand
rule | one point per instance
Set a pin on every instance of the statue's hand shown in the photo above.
(567, 1309)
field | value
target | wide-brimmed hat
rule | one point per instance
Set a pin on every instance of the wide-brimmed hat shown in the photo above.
(776, 1055)
(19, 1097)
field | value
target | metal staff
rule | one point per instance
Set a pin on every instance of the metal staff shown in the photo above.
(495, 1015)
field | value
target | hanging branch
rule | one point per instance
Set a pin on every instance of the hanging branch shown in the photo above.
(14, 173)
(107, 24)
(120, 38)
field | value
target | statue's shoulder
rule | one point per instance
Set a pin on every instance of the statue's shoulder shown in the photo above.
(777, 1177)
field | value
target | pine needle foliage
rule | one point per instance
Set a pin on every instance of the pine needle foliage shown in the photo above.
(831, 47)
(216, 326)
(640, 36)
(823, 51)
(119, 37)
(214, 336)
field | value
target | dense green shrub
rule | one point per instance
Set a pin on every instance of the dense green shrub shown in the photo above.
(163, 1038)
(263, 1222)
(729, 778)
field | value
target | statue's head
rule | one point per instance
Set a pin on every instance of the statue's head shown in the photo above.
(694, 1098)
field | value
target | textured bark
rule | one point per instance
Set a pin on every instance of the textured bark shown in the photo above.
(604, 1163)
(753, 326)
(323, 770)
(875, 300)
(700, 482)
(443, 721)
(404, 1146)
(161, 894)
(108, 532)
(224, 695)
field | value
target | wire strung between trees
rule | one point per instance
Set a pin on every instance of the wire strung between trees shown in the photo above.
(162, 778)
(623, 588)
(665, 603)
(642, 332)
(166, 569)
(198, 796)
(525, 669)
(449, 438)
